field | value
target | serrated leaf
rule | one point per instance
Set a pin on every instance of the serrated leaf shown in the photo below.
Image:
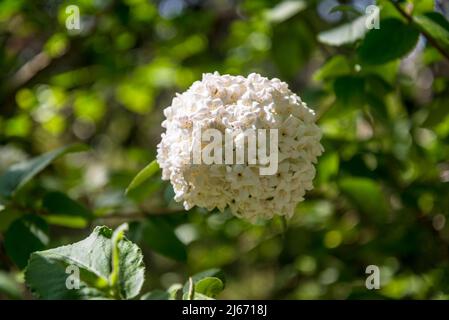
(393, 40)
(64, 211)
(19, 174)
(24, 236)
(46, 271)
(344, 34)
(160, 237)
(143, 175)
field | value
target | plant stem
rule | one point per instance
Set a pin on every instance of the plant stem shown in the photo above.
(191, 294)
(429, 38)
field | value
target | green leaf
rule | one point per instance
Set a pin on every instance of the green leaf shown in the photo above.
(19, 174)
(191, 294)
(349, 91)
(173, 290)
(388, 71)
(197, 296)
(328, 166)
(209, 286)
(421, 6)
(117, 236)
(24, 236)
(46, 274)
(160, 237)
(393, 40)
(143, 175)
(366, 194)
(156, 295)
(64, 211)
(131, 269)
(144, 190)
(170, 294)
(285, 10)
(377, 85)
(436, 25)
(344, 34)
(336, 66)
(214, 272)
(438, 112)
(291, 55)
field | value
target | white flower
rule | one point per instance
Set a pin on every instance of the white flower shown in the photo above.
(234, 104)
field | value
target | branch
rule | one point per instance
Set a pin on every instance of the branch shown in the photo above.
(429, 38)
(140, 214)
(30, 69)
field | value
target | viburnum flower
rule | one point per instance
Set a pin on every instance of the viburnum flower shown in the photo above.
(233, 104)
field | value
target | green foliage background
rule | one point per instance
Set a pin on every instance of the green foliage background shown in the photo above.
(381, 95)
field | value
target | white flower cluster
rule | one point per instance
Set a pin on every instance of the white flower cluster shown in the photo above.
(236, 103)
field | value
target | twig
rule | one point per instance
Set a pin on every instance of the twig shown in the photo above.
(429, 38)
(138, 215)
(30, 69)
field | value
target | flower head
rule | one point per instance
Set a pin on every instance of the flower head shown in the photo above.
(233, 104)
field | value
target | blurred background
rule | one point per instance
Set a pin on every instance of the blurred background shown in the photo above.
(381, 190)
